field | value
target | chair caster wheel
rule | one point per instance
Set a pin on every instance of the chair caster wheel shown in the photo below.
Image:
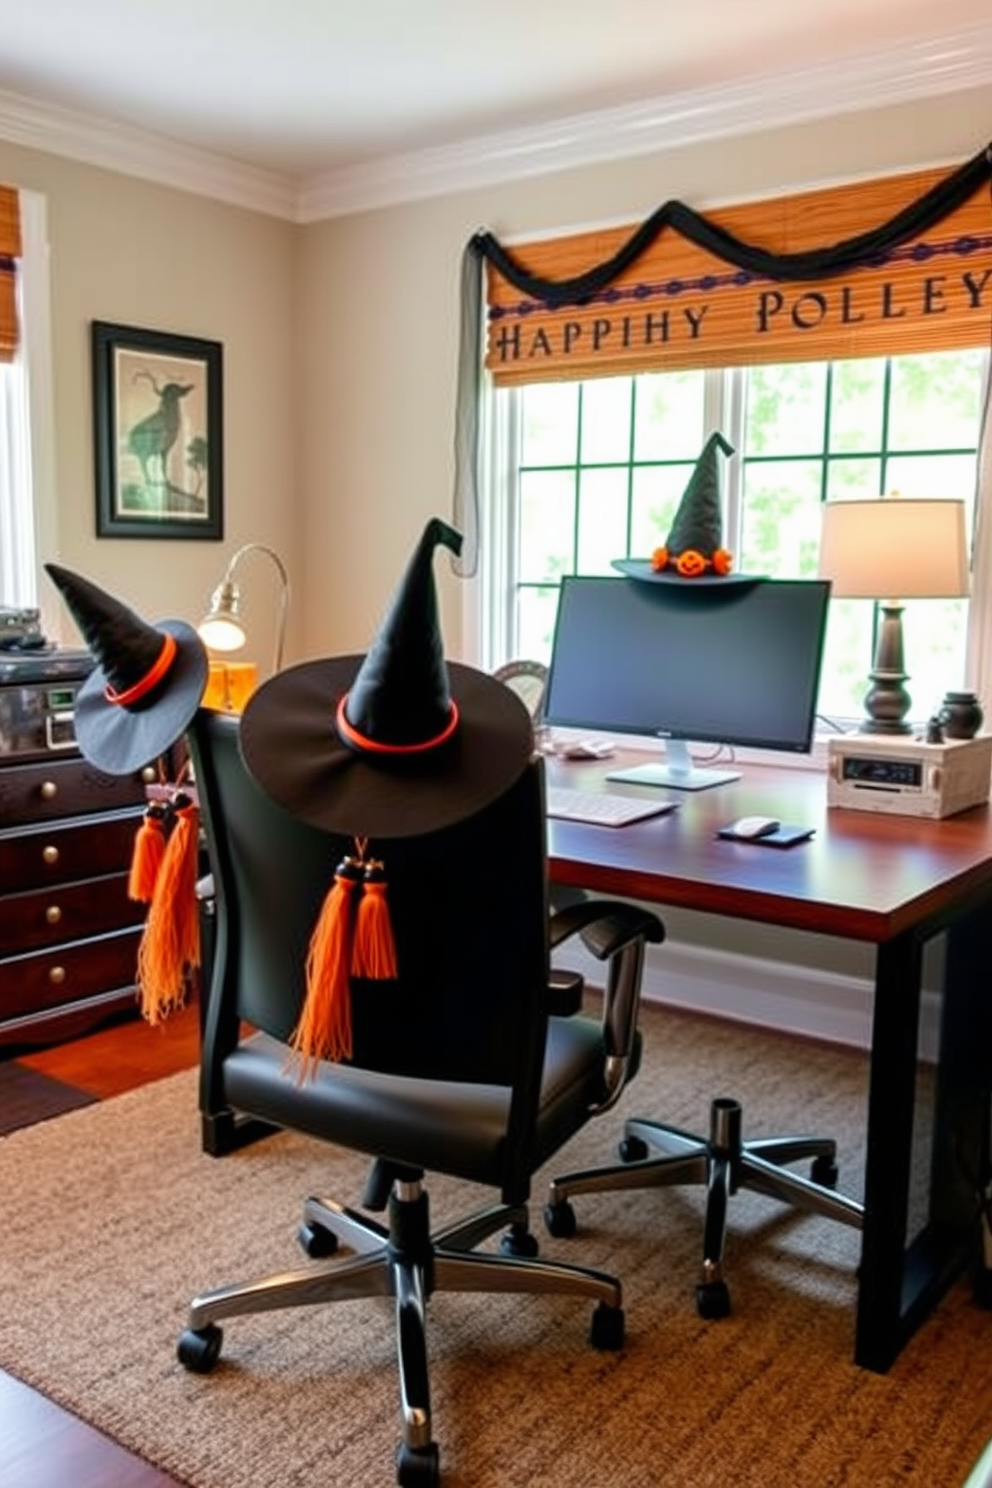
(606, 1330)
(713, 1299)
(417, 1467)
(632, 1149)
(316, 1241)
(823, 1170)
(198, 1349)
(518, 1242)
(559, 1220)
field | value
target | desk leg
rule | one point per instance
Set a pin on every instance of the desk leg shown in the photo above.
(899, 1285)
(891, 1097)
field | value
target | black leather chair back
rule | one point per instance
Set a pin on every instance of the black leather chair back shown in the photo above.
(469, 913)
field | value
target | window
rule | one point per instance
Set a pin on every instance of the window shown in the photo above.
(594, 470)
(27, 485)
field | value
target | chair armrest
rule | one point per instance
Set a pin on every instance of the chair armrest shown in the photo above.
(615, 932)
(606, 926)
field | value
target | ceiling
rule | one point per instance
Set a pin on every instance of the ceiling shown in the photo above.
(306, 91)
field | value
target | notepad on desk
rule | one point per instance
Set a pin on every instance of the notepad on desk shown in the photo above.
(603, 809)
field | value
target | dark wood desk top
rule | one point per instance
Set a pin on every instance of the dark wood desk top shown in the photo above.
(864, 875)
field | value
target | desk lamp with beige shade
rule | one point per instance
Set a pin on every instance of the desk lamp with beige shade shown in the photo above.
(232, 683)
(913, 548)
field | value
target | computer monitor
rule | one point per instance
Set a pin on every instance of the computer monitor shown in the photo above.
(735, 664)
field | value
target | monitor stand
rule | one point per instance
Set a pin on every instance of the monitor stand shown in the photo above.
(679, 771)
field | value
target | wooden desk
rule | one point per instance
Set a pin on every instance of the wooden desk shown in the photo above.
(895, 882)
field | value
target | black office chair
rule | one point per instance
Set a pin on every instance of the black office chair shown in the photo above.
(654, 1154)
(457, 1066)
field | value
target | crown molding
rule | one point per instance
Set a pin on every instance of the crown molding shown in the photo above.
(902, 73)
(136, 152)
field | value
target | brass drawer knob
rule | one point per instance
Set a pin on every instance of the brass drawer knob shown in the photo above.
(50, 854)
(53, 914)
(49, 790)
(57, 975)
(148, 775)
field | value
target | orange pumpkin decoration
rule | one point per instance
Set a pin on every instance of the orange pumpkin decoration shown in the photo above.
(659, 559)
(723, 562)
(690, 563)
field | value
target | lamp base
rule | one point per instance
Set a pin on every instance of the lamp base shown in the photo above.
(887, 702)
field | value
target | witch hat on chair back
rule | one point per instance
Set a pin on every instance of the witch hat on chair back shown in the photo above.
(398, 743)
(147, 683)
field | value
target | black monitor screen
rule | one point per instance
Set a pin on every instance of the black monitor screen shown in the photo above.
(730, 665)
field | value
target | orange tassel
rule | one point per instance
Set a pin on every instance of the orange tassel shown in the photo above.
(375, 949)
(170, 945)
(146, 858)
(324, 1027)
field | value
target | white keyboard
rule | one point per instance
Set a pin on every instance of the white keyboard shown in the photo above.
(602, 810)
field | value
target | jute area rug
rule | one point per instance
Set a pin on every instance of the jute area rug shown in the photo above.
(113, 1220)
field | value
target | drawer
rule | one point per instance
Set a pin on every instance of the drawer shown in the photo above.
(65, 912)
(65, 787)
(69, 973)
(67, 851)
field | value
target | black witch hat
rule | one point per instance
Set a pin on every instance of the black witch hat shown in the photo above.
(147, 683)
(398, 742)
(693, 551)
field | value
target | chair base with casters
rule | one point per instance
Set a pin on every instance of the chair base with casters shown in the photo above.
(654, 1155)
(405, 1261)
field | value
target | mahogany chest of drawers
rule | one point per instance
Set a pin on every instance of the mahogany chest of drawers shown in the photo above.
(68, 932)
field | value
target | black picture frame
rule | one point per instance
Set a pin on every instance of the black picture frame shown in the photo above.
(157, 433)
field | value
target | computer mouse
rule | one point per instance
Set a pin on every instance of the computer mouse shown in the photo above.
(755, 826)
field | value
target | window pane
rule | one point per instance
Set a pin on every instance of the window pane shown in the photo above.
(850, 479)
(847, 657)
(547, 525)
(606, 410)
(857, 404)
(933, 475)
(781, 529)
(668, 422)
(935, 401)
(934, 644)
(602, 519)
(785, 409)
(550, 423)
(536, 613)
(656, 493)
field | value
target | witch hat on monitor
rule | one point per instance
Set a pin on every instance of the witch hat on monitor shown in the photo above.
(693, 552)
(147, 683)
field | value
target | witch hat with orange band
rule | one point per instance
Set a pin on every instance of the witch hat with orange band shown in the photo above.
(398, 743)
(395, 743)
(693, 553)
(147, 683)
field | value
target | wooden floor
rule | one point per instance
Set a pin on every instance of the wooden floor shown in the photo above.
(41, 1445)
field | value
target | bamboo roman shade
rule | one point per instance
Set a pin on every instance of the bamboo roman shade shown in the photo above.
(910, 270)
(10, 252)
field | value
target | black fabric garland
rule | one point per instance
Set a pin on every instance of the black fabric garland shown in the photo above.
(814, 263)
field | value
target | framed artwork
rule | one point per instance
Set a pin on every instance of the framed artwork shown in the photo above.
(157, 434)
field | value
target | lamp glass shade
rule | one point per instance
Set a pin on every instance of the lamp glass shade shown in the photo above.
(894, 547)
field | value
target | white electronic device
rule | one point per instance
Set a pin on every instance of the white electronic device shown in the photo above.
(906, 776)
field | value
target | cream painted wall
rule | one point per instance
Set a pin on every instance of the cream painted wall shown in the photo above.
(126, 251)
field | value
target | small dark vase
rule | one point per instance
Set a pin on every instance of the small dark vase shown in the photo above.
(961, 715)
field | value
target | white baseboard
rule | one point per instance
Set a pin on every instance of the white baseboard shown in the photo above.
(770, 994)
